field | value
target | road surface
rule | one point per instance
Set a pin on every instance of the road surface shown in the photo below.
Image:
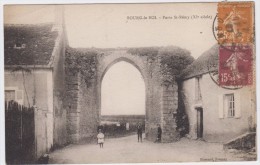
(128, 150)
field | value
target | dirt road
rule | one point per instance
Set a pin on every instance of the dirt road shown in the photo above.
(128, 150)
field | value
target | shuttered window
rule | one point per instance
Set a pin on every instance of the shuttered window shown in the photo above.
(230, 98)
(229, 105)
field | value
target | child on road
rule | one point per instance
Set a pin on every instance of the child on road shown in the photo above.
(100, 138)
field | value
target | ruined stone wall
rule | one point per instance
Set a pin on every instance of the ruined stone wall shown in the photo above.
(153, 104)
(83, 100)
(169, 113)
(71, 104)
(152, 84)
(80, 101)
(161, 100)
(87, 105)
(82, 112)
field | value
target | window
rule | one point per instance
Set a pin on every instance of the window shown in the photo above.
(13, 93)
(230, 105)
(197, 89)
(19, 46)
(9, 95)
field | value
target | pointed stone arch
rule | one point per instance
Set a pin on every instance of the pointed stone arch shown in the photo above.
(84, 107)
(106, 61)
(134, 67)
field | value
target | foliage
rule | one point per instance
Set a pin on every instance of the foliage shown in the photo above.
(83, 62)
(172, 60)
(181, 116)
(145, 51)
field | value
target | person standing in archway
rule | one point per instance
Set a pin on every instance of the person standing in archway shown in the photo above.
(159, 134)
(139, 132)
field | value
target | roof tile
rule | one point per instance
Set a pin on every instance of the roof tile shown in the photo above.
(208, 61)
(38, 40)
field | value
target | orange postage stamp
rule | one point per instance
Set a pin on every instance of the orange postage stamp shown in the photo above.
(235, 22)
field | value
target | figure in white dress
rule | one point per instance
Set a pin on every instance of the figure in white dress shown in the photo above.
(100, 138)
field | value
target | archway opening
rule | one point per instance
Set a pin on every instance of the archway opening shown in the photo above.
(122, 99)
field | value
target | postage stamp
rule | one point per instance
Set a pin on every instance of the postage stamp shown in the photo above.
(235, 22)
(235, 65)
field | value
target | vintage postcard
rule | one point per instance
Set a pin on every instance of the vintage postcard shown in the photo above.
(130, 83)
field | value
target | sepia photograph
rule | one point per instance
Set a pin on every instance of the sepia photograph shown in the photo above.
(93, 83)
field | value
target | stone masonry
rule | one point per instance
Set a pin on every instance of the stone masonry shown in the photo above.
(83, 103)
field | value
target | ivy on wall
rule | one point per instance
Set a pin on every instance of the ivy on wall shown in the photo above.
(83, 62)
(145, 51)
(172, 60)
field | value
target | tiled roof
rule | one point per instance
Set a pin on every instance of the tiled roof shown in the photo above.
(208, 61)
(28, 44)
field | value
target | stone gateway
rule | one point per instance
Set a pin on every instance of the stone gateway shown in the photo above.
(85, 69)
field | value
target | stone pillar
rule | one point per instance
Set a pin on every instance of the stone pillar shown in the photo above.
(73, 127)
(89, 114)
(169, 112)
(153, 100)
(73, 113)
(153, 115)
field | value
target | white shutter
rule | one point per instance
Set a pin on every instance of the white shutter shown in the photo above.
(220, 107)
(237, 105)
(19, 96)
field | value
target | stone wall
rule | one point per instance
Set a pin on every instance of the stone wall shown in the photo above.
(150, 73)
(87, 105)
(169, 116)
(83, 100)
(244, 142)
(71, 104)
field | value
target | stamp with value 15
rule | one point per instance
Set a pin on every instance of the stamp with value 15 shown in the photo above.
(235, 65)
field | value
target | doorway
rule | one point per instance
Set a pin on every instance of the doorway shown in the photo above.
(199, 122)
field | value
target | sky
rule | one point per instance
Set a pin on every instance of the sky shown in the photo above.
(108, 26)
(123, 91)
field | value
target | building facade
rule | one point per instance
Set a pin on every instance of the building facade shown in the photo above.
(34, 76)
(215, 113)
